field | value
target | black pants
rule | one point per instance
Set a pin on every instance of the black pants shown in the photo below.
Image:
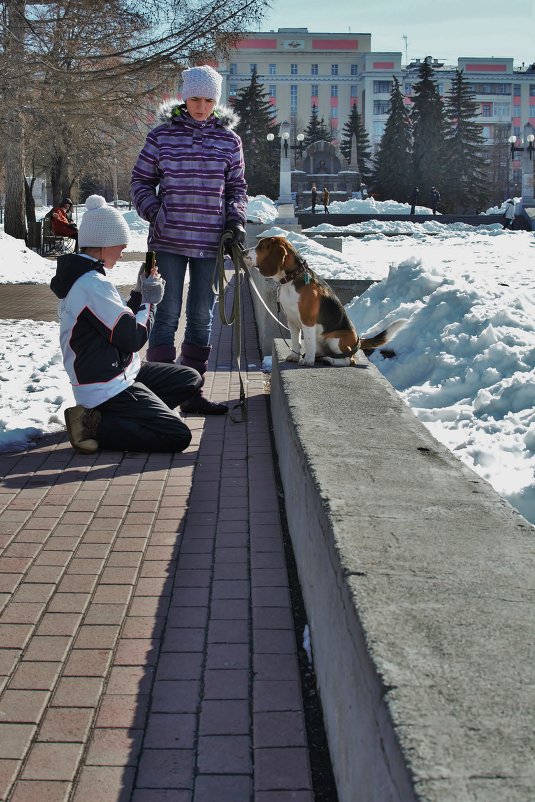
(141, 418)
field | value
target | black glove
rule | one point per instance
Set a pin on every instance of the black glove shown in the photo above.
(234, 228)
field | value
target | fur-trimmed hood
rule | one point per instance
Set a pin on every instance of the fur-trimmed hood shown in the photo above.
(172, 109)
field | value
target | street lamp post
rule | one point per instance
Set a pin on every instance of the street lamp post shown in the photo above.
(527, 160)
(298, 148)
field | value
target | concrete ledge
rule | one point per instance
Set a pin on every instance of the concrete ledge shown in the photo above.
(418, 583)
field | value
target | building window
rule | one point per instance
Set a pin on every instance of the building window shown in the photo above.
(232, 90)
(334, 111)
(272, 69)
(517, 111)
(272, 91)
(354, 91)
(516, 130)
(486, 109)
(354, 69)
(293, 98)
(314, 69)
(378, 130)
(252, 68)
(532, 90)
(517, 90)
(314, 90)
(334, 90)
(381, 107)
(334, 69)
(233, 69)
(502, 110)
(491, 89)
(293, 69)
(382, 87)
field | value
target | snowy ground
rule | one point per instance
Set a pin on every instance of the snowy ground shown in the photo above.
(465, 362)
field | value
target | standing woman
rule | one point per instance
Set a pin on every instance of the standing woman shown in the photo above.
(189, 183)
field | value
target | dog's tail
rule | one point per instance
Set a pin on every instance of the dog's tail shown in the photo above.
(369, 343)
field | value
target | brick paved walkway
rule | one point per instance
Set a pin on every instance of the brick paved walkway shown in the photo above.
(147, 651)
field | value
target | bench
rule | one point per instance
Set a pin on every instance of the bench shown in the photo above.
(53, 244)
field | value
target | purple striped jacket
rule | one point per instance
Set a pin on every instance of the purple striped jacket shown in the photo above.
(189, 180)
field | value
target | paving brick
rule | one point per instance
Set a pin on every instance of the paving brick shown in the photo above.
(35, 676)
(130, 679)
(183, 639)
(96, 637)
(166, 768)
(105, 614)
(22, 706)
(114, 784)
(88, 663)
(48, 648)
(137, 652)
(180, 665)
(225, 631)
(175, 696)
(170, 731)
(282, 729)
(211, 787)
(226, 684)
(69, 603)
(224, 754)
(15, 636)
(76, 583)
(224, 717)
(284, 796)
(41, 791)
(15, 740)
(276, 695)
(59, 624)
(111, 594)
(283, 769)
(227, 655)
(140, 627)
(22, 613)
(68, 724)
(161, 795)
(114, 747)
(123, 710)
(8, 773)
(52, 761)
(77, 691)
(232, 609)
(272, 618)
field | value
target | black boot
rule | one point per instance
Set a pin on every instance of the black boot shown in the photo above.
(196, 356)
(161, 353)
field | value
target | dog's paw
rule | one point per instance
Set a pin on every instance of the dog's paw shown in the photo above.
(307, 361)
(291, 356)
(337, 363)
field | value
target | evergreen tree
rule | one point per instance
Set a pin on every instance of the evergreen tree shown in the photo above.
(316, 130)
(354, 126)
(428, 131)
(392, 176)
(465, 183)
(257, 120)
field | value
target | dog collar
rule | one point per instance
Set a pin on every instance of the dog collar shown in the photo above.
(299, 271)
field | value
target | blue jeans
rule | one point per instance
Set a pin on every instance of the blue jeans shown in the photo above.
(200, 304)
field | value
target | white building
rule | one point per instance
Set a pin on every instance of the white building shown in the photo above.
(332, 71)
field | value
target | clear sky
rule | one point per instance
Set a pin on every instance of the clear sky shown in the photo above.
(443, 29)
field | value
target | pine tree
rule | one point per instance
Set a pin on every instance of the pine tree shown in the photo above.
(428, 131)
(354, 126)
(465, 183)
(316, 130)
(257, 120)
(392, 176)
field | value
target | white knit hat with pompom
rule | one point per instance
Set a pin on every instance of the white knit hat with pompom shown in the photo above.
(102, 225)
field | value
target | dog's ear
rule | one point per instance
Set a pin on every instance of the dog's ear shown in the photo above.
(272, 255)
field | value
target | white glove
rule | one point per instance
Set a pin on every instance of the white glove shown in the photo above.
(152, 289)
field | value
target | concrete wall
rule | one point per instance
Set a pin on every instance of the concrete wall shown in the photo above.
(418, 581)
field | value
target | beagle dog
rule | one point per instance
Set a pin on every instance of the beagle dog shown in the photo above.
(312, 309)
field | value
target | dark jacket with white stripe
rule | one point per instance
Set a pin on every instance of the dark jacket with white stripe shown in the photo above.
(100, 334)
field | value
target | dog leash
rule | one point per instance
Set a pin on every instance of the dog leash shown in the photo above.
(238, 413)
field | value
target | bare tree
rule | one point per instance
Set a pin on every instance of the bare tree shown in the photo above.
(82, 71)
